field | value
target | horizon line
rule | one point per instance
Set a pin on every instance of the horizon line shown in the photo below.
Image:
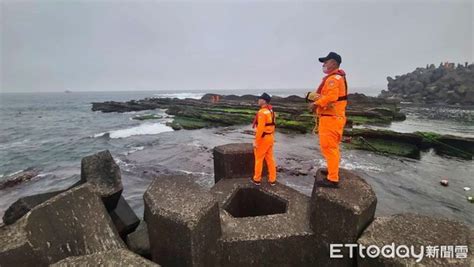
(170, 90)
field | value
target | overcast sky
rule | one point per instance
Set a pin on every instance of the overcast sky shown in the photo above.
(156, 45)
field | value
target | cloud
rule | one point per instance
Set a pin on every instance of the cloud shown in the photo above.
(102, 45)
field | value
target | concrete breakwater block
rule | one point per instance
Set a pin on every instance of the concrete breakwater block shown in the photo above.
(183, 222)
(101, 171)
(72, 223)
(139, 242)
(24, 204)
(339, 215)
(234, 161)
(124, 218)
(342, 214)
(442, 242)
(119, 257)
(263, 226)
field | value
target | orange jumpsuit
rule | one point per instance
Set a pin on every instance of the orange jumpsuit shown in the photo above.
(264, 144)
(331, 110)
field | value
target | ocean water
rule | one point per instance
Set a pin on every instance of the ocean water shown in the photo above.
(51, 132)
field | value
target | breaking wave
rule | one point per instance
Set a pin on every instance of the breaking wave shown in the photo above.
(142, 129)
(181, 95)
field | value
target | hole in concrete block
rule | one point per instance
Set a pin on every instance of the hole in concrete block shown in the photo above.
(251, 202)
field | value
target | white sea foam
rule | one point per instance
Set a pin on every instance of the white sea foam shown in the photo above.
(134, 149)
(359, 166)
(44, 174)
(10, 174)
(189, 172)
(200, 95)
(351, 165)
(99, 135)
(123, 165)
(14, 173)
(142, 129)
(137, 148)
(180, 95)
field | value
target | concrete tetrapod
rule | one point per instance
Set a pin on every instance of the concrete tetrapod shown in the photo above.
(72, 223)
(263, 225)
(183, 222)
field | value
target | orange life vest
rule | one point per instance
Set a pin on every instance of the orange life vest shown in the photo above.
(269, 125)
(336, 107)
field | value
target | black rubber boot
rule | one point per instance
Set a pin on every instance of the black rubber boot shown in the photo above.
(327, 183)
(255, 182)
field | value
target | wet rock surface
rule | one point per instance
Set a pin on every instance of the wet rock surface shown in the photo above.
(234, 110)
(293, 116)
(419, 230)
(18, 178)
(409, 144)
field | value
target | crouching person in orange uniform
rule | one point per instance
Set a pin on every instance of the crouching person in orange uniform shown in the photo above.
(263, 145)
(330, 104)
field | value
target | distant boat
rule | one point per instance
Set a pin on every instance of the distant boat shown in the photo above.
(67, 92)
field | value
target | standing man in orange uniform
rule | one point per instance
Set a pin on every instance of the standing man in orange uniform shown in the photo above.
(330, 103)
(264, 123)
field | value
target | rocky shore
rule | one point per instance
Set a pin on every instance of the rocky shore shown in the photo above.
(446, 84)
(293, 117)
(235, 223)
(409, 144)
(232, 110)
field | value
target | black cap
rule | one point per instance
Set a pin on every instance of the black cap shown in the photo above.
(331, 55)
(265, 97)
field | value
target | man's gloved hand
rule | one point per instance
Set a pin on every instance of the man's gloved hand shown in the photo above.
(312, 96)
